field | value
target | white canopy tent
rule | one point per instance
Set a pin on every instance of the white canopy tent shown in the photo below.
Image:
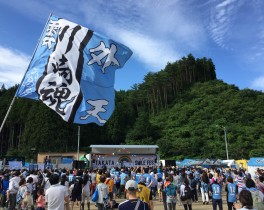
(231, 163)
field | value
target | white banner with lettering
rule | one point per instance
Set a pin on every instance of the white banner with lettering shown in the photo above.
(99, 161)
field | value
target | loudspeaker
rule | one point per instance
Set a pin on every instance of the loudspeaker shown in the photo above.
(78, 164)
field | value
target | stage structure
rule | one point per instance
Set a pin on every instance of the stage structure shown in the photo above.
(123, 156)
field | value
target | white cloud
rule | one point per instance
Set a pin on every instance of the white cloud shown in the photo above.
(220, 23)
(13, 65)
(154, 53)
(160, 28)
(156, 32)
(258, 83)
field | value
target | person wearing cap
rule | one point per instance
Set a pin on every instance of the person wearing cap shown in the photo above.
(56, 194)
(132, 201)
(144, 193)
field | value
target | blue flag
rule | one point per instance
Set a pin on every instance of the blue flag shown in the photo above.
(73, 72)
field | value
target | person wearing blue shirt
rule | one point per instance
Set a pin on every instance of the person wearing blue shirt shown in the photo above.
(138, 175)
(216, 195)
(148, 177)
(112, 171)
(71, 177)
(5, 184)
(159, 175)
(123, 179)
(231, 189)
(117, 182)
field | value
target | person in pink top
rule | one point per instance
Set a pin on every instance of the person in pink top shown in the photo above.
(40, 200)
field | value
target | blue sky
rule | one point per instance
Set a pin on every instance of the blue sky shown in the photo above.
(231, 32)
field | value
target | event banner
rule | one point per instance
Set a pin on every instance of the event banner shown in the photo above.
(99, 161)
(15, 165)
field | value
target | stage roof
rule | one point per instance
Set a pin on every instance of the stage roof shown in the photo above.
(124, 149)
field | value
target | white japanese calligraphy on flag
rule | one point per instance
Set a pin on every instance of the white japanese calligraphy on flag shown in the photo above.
(73, 72)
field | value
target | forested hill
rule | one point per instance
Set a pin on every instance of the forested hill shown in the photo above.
(182, 108)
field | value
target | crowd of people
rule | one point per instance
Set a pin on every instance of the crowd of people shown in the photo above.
(139, 186)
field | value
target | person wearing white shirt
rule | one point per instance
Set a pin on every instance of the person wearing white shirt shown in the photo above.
(102, 192)
(13, 189)
(56, 194)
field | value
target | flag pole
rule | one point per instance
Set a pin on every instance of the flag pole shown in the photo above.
(9, 109)
(78, 148)
(13, 100)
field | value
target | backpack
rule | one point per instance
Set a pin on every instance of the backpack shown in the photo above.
(77, 187)
(171, 190)
(187, 193)
(159, 179)
(193, 184)
(42, 182)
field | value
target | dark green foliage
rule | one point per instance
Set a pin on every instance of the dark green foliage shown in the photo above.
(195, 123)
(182, 108)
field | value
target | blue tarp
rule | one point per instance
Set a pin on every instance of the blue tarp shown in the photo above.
(259, 161)
(190, 162)
(66, 160)
(185, 162)
(218, 162)
(207, 162)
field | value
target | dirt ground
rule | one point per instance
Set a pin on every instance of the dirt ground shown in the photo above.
(159, 205)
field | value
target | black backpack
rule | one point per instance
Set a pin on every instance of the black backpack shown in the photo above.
(187, 193)
(77, 186)
(193, 184)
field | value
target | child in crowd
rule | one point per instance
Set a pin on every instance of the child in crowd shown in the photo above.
(27, 201)
(40, 200)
